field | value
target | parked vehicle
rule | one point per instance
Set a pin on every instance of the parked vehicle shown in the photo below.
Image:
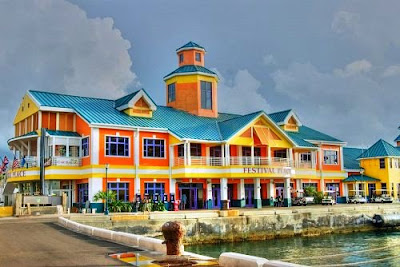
(299, 201)
(328, 200)
(356, 199)
(384, 198)
(309, 200)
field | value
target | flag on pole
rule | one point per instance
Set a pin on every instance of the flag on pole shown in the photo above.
(4, 164)
(15, 163)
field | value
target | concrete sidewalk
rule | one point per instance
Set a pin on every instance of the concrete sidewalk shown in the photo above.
(41, 242)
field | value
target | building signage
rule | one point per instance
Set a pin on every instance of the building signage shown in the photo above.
(13, 174)
(282, 171)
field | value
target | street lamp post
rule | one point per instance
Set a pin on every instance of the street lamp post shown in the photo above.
(106, 209)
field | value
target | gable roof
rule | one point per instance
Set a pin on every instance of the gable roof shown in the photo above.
(129, 100)
(282, 117)
(397, 138)
(125, 99)
(380, 149)
(190, 45)
(360, 178)
(279, 116)
(190, 69)
(350, 156)
(103, 112)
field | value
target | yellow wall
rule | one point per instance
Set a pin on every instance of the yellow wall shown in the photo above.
(27, 111)
(6, 211)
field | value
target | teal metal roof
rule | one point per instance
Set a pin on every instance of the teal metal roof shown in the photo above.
(397, 139)
(63, 133)
(279, 116)
(180, 123)
(360, 178)
(125, 99)
(33, 133)
(229, 128)
(191, 45)
(350, 156)
(306, 133)
(380, 149)
(191, 68)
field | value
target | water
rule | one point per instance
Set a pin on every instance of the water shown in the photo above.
(358, 249)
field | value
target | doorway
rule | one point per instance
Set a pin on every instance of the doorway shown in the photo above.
(249, 194)
(216, 194)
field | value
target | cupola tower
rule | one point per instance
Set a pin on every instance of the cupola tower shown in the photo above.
(192, 87)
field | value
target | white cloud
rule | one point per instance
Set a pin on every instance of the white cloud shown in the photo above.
(269, 60)
(355, 108)
(344, 21)
(241, 94)
(53, 46)
(354, 68)
(393, 70)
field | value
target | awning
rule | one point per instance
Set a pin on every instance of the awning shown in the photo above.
(360, 178)
(263, 134)
(9, 189)
(62, 133)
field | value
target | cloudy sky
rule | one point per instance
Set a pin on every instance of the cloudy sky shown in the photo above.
(336, 63)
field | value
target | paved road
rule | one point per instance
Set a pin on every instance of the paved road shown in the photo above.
(41, 242)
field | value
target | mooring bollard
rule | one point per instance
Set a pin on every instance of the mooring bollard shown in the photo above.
(173, 234)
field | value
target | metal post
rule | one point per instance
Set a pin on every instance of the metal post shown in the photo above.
(42, 157)
(106, 210)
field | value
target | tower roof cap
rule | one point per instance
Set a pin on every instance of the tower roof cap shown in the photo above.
(189, 46)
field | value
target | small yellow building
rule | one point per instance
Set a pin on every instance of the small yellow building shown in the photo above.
(379, 171)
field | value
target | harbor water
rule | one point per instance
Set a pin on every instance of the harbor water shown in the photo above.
(379, 248)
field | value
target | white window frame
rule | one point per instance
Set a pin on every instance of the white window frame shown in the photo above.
(105, 146)
(337, 157)
(152, 138)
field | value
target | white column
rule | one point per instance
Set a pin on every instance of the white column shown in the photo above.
(227, 155)
(313, 159)
(94, 146)
(37, 151)
(298, 187)
(252, 155)
(189, 157)
(271, 189)
(39, 120)
(241, 192)
(57, 121)
(95, 185)
(223, 155)
(344, 189)
(286, 191)
(54, 146)
(136, 155)
(257, 188)
(357, 189)
(29, 148)
(269, 155)
(320, 169)
(341, 159)
(67, 148)
(209, 190)
(290, 157)
(224, 188)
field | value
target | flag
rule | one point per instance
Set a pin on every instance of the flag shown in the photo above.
(15, 163)
(4, 164)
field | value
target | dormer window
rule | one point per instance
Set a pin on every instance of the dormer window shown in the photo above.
(180, 58)
(198, 57)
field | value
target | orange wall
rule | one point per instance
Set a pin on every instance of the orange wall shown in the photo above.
(325, 167)
(186, 97)
(208, 112)
(189, 58)
(115, 160)
(154, 161)
(49, 120)
(66, 122)
(83, 129)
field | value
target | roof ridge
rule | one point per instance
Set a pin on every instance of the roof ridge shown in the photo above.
(240, 116)
(62, 94)
(286, 110)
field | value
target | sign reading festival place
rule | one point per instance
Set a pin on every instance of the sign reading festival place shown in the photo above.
(267, 170)
(13, 174)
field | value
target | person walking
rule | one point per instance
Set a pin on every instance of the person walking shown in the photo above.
(184, 200)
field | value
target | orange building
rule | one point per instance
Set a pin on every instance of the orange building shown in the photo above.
(185, 150)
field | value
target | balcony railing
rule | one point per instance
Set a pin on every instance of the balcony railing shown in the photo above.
(64, 161)
(246, 161)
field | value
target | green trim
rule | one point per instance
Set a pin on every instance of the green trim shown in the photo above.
(360, 178)
(62, 133)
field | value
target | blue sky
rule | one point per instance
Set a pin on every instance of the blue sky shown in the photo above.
(337, 63)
